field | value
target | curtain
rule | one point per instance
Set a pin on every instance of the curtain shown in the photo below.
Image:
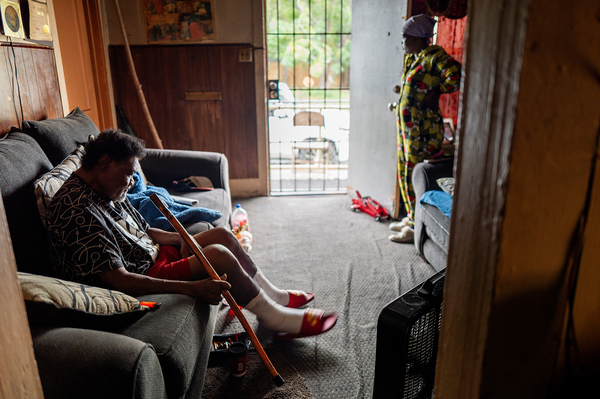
(450, 35)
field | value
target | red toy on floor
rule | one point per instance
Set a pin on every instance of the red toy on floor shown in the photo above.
(369, 206)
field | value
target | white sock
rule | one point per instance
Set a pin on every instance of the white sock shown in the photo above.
(275, 316)
(279, 296)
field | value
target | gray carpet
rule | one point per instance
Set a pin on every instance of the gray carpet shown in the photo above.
(317, 244)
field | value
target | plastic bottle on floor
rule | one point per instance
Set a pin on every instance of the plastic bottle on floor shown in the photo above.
(241, 227)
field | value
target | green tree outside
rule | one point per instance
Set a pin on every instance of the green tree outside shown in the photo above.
(308, 46)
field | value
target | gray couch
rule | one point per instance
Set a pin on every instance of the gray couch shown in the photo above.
(432, 226)
(156, 354)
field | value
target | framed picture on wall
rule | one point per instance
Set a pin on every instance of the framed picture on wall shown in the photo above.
(39, 24)
(179, 21)
(12, 23)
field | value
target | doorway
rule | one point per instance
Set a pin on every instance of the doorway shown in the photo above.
(308, 47)
(79, 31)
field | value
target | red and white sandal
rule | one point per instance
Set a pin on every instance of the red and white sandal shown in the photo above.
(314, 322)
(299, 298)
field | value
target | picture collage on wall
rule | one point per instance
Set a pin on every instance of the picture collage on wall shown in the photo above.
(179, 21)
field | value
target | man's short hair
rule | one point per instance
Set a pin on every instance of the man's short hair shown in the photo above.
(114, 143)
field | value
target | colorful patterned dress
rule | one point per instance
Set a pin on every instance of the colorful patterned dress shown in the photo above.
(421, 131)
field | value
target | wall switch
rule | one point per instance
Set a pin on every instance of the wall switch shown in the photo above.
(245, 55)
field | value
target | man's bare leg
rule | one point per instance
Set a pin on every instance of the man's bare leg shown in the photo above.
(226, 238)
(243, 288)
(293, 322)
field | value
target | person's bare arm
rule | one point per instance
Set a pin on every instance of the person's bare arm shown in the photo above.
(164, 237)
(208, 290)
(169, 238)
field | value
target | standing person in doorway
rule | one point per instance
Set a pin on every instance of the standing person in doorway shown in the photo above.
(428, 72)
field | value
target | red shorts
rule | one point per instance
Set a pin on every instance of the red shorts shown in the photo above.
(170, 266)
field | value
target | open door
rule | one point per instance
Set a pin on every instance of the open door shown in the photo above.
(375, 69)
(82, 53)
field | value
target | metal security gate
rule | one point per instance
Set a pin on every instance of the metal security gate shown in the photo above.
(308, 47)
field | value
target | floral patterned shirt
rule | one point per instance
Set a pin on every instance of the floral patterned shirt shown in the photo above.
(430, 70)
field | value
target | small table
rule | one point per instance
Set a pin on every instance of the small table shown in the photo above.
(319, 146)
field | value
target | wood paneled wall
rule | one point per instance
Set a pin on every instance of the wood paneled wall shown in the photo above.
(29, 90)
(167, 73)
(28, 85)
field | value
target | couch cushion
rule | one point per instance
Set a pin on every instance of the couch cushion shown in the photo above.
(22, 161)
(436, 225)
(181, 332)
(435, 255)
(61, 136)
(46, 186)
(217, 199)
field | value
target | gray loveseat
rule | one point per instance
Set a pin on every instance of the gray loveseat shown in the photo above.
(432, 226)
(160, 353)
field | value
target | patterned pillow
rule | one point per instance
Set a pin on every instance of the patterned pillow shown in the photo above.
(46, 186)
(67, 294)
(447, 185)
(54, 302)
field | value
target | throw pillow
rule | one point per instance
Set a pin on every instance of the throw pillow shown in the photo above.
(60, 136)
(52, 301)
(48, 184)
(67, 294)
(447, 185)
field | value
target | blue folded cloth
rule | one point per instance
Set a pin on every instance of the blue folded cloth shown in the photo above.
(439, 199)
(139, 196)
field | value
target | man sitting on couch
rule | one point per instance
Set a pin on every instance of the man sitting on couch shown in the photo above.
(98, 238)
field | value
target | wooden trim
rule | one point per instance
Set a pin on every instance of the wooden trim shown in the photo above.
(18, 44)
(396, 211)
(19, 377)
(99, 64)
(397, 201)
(496, 34)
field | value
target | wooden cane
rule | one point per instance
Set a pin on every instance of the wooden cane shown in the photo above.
(189, 240)
(136, 82)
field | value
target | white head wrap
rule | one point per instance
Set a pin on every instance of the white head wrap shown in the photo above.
(419, 26)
